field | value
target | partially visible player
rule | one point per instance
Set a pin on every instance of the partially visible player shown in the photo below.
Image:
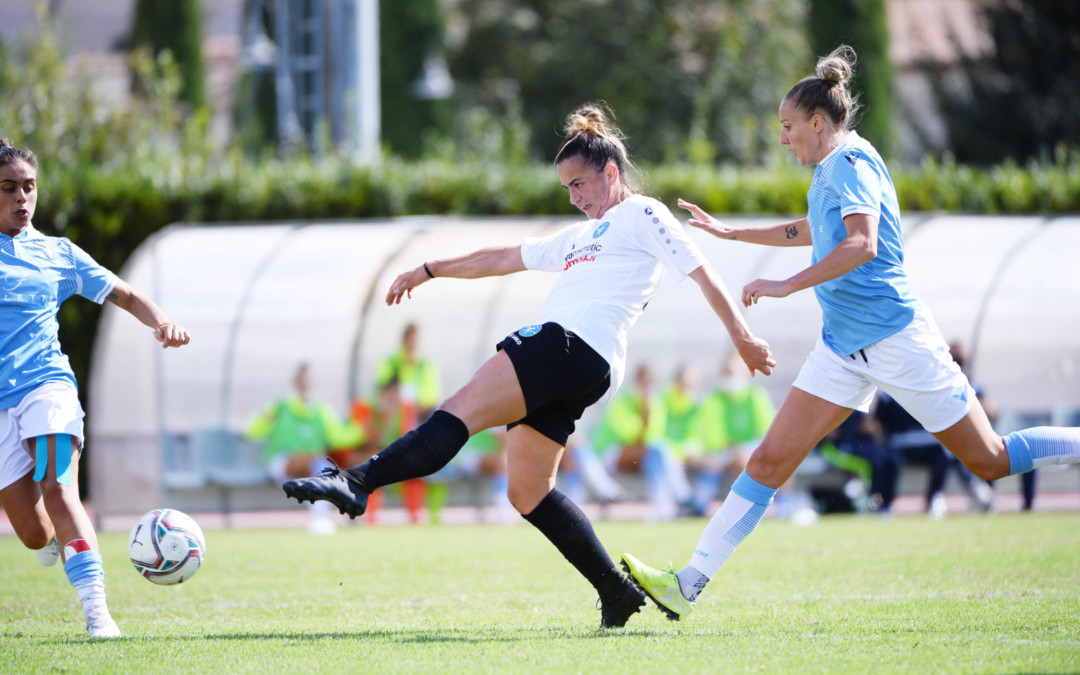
(41, 420)
(876, 333)
(543, 376)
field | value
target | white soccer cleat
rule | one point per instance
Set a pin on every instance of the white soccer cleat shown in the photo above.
(99, 624)
(50, 554)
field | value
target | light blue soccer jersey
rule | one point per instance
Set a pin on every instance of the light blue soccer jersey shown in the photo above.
(37, 274)
(872, 301)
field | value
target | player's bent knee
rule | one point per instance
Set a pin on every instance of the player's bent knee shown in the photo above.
(33, 536)
(525, 499)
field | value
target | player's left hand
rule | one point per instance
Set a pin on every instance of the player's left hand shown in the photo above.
(760, 288)
(171, 335)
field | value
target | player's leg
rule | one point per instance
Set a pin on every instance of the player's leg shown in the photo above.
(826, 390)
(801, 422)
(532, 462)
(25, 510)
(20, 496)
(58, 475)
(989, 456)
(492, 397)
(50, 424)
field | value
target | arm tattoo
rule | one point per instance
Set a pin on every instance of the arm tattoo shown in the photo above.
(113, 296)
(791, 231)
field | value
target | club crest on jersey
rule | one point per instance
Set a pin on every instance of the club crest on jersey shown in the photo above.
(601, 229)
(851, 157)
(529, 331)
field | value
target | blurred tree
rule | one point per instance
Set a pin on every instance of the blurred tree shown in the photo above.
(1023, 99)
(174, 26)
(415, 94)
(688, 79)
(861, 24)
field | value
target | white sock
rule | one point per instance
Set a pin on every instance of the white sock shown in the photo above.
(691, 582)
(736, 518)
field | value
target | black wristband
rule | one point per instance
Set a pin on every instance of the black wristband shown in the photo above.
(428, 270)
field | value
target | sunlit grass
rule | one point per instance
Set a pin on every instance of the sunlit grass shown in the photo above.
(964, 595)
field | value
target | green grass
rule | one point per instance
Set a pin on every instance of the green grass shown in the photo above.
(998, 594)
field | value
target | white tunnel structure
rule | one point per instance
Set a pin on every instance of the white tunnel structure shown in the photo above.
(260, 298)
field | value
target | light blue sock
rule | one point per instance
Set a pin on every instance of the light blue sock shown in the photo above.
(1041, 446)
(86, 573)
(736, 518)
(83, 566)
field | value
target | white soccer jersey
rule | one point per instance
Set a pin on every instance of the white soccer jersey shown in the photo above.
(611, 267)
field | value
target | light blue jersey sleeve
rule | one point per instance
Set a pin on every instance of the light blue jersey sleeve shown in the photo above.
(92, 281)
(858, 185)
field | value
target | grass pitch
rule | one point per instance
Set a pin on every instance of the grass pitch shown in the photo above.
(992, 594)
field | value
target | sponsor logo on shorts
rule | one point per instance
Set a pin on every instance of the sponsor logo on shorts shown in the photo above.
(529, 331)
(601, 229)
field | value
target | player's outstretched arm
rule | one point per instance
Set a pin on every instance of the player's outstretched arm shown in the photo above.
(144, 309)
(754, 351)
(794, 233)
(495, 261)
(858, 247)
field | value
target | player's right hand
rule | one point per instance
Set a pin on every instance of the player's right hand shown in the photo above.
(703, 221)
(756, 355)
(404, 285)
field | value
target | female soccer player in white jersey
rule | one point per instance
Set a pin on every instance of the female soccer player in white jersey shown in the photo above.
(875, 334)
(41, 420)
(543, 376)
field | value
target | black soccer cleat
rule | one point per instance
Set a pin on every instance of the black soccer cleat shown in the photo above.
(617, 610)
(332, 485)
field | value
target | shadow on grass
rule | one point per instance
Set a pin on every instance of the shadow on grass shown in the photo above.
(445, 635)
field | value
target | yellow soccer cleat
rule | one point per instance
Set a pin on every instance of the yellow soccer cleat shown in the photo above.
(660, 585)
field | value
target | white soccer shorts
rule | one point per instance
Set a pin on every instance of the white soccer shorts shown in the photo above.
(52, 408)
(913, 366)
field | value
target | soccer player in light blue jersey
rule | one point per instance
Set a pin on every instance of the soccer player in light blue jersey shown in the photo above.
(41, 420)
(876, 333)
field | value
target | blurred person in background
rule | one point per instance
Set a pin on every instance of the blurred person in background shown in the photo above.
(681, 435)
(299, 432)
(418, 392)
(731, 420)
(876, 333)
(483, 458)
(41, 422)
(1027, 480)
(630, 440)
(907, 439)
(856, 446)
(542, 377)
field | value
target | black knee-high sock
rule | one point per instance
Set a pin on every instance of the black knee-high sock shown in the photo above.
(421, 452)
(569, 529)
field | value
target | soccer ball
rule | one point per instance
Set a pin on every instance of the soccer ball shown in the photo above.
(167, 546)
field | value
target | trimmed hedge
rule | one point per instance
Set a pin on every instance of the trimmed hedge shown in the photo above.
(131, 205)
